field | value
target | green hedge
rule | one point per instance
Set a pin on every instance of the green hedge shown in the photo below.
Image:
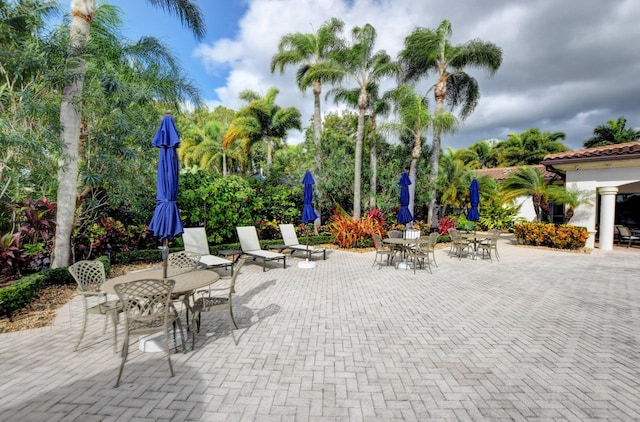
(551, 235)
(23, 291)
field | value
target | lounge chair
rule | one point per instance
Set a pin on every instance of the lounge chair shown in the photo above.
(195, 240)
(250, 245)
(624, 235)
(291, 242)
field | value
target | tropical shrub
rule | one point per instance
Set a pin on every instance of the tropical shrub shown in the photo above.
(463, 224)
(349, 233)
(551, 235)
(219, 204)
(497, 216)
(446, 223)
(11, 254)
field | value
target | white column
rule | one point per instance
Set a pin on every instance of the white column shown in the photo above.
(607, 216)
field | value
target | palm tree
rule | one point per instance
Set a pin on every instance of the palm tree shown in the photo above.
(359, 63)
(82, 15)
(528, 147)
(261, 120)
(477, 156)
(415, 118)
(455, 179)
(614, 132)
(310, 51)
(376, 106)
(427, 51)
(529, 181)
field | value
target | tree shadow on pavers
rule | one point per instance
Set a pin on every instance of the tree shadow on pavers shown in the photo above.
(81, 386)
(215, 325)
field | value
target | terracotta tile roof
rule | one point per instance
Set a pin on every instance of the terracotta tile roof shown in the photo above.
(607, 152)
(501, 173)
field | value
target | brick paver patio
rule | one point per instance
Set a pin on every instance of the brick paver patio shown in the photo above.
(540, 335)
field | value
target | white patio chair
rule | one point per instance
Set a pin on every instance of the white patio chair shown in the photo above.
(250, 245)
(290, 240)
(195, 240)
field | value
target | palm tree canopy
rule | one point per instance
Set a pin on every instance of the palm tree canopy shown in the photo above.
(188, 12)
(260, 119)
(614, 132)
(429, 51)
(308, 50)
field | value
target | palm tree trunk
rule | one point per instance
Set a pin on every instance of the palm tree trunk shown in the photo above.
(439, 92)
(373, 163)
(357, 177)
(317, 133)
(70, 119)
(413, 170)
(269, 154)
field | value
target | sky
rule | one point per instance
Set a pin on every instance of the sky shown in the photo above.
(568, 65)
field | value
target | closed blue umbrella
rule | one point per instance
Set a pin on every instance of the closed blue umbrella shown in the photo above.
(166, 223)
(308, 213)
(474, 196)
(404, 215)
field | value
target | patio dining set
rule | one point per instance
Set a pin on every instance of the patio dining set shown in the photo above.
(154, 300)
(410, 249)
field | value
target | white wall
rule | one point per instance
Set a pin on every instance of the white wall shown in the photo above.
(625, 178)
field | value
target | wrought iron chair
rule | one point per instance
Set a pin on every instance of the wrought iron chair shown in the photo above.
(90, 275)
(458, 243)
(490, 244)
(217, 298)
(147, 310)
(382, 251)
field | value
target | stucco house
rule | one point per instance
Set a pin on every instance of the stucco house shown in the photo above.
(610, 176)
(499, 174)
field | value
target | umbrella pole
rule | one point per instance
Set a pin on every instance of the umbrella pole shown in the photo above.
(165, 257)
(306, 263)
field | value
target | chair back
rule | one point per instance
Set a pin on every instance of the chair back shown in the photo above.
(181, 262)
(289, 236)
(89, 275)
(195, 240)
(377, 241)
(624, 231)
(453, 233)
(433, 239)
(494, 235)
(248, 237)
(396, 234)
(236, 271)
(146, 303)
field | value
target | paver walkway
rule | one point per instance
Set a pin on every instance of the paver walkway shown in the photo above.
(540, 335)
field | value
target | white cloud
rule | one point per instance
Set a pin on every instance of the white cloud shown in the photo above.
(558, 65)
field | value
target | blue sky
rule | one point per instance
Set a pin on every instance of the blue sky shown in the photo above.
(568, 65)
(142, 19)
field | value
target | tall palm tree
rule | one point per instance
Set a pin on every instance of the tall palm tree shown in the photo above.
(415, 118)
(310, 50)
(261, 120)
(430, 52)
(614, 132)
(82, 15)
(377, 105)
(358, 63)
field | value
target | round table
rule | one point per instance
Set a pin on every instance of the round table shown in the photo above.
(185, 282)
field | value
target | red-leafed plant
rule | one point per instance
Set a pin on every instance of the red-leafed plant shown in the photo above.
(11, 255)
(445, 224)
